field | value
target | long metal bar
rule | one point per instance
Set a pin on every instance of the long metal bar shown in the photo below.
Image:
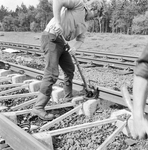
(110, 139)
(11, 85)
(110, 63)
(81, 126)
(50, 124)
(84, 52)
(26, 111)
(88, 56)
(34, 73)
(13, 89)
(77, 64)
(18, 96)
(104, 93)
(107, 55)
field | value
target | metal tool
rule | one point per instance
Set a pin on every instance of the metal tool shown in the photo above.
(89, 91)
(5, 66)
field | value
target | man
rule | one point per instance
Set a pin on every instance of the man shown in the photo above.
(139, 125)
(69, 20)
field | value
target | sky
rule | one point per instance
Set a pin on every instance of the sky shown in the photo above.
(12, 4)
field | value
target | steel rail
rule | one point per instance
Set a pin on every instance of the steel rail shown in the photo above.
(107, 55)
(35, 49)
(104, 62)
(104, 93)
(34, 73)
(107, 63)
(21, 139)
(19, 45)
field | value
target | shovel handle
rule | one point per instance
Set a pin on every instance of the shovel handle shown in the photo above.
(67, 47)
(77, 63)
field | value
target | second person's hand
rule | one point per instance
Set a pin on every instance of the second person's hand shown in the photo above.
(138, 127)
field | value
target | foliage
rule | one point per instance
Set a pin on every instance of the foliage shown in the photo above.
(34, 26)
(8, 23)
(3, 12)
(26, 19)
(120, 16)
(44, 13)
(140, 24)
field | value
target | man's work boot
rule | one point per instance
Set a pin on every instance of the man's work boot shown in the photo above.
(39, 110)
(68, 92)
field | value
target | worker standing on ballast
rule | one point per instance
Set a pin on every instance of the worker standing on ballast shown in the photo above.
(69, 20)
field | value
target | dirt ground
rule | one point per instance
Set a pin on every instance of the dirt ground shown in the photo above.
(101, 42)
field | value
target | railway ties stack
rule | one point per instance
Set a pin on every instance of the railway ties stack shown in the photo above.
(20, 130)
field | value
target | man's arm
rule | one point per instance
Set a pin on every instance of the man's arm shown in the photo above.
(140, 119)
(57, 6)
(79, 40)
(140, 86)
(140, 89)
(77, 44)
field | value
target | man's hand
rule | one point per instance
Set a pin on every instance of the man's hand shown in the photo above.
(72, 51)
(58, 29)
(138, 127)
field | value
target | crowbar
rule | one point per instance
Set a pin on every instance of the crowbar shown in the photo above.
(87, 89)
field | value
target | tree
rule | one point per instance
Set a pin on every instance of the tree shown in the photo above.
(24, 22)
(34, 26)
(3, 13)
(140, 24)
(25, 16)
(44, 13)
(8, 23)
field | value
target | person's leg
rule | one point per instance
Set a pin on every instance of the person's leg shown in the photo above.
(65, 62)
(52, 51)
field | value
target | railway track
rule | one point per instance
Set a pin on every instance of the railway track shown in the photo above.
(18, 91)
(16, 126)
(89, 58)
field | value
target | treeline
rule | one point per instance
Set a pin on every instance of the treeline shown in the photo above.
(119, 16)
(26, 19)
